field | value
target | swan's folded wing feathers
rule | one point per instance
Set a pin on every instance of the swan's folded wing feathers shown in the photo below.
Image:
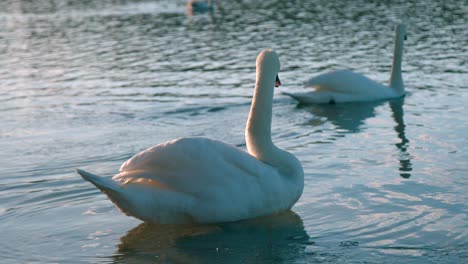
(194, 165)
(343, 81)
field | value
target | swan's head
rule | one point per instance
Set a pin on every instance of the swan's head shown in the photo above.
(268, 63)
(400, 31)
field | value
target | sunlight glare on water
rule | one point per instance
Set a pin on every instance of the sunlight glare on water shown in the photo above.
(88, 84)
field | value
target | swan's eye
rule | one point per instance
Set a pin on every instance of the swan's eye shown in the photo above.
(406, 37)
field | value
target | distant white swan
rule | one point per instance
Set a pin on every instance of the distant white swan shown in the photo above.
(202, 180)
(199, 7)
(346, 86)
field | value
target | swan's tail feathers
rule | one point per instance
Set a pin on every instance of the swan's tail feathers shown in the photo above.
(302, 98)
(290, 95)
(103, 184)
(111, 188)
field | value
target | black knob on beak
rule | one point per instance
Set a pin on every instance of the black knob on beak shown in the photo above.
(277, 81)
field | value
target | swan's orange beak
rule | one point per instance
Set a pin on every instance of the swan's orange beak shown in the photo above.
(277, 81)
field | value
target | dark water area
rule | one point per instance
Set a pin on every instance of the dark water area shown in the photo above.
(88, 84)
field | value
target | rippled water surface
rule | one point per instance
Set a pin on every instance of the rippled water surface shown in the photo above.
(88, 84)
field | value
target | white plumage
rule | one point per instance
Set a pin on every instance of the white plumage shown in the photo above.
(203, 180)
(346, 86)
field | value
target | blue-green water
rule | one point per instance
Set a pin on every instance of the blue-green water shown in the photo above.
(89, 84)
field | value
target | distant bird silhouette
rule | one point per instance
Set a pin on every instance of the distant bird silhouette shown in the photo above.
(199, 7)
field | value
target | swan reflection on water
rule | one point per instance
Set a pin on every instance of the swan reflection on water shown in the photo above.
(405, 158)
(347, 116)
(350, 117)
(277, 238)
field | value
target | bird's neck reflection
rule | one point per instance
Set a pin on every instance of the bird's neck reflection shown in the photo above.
(405, 159)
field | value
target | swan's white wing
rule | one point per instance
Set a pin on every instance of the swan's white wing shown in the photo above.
(222, 182)
(344, 81)
(196, 166)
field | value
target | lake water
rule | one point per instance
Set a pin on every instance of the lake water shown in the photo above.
(88, 84)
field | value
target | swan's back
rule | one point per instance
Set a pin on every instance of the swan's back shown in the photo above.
(345, 81)
(213, 181)
(202, 158)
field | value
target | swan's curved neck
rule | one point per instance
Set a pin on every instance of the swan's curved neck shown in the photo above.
(258, 128)
(258, 132)
(396, 80)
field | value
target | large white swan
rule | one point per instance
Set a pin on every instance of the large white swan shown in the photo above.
(346, 86)
(203, 180)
